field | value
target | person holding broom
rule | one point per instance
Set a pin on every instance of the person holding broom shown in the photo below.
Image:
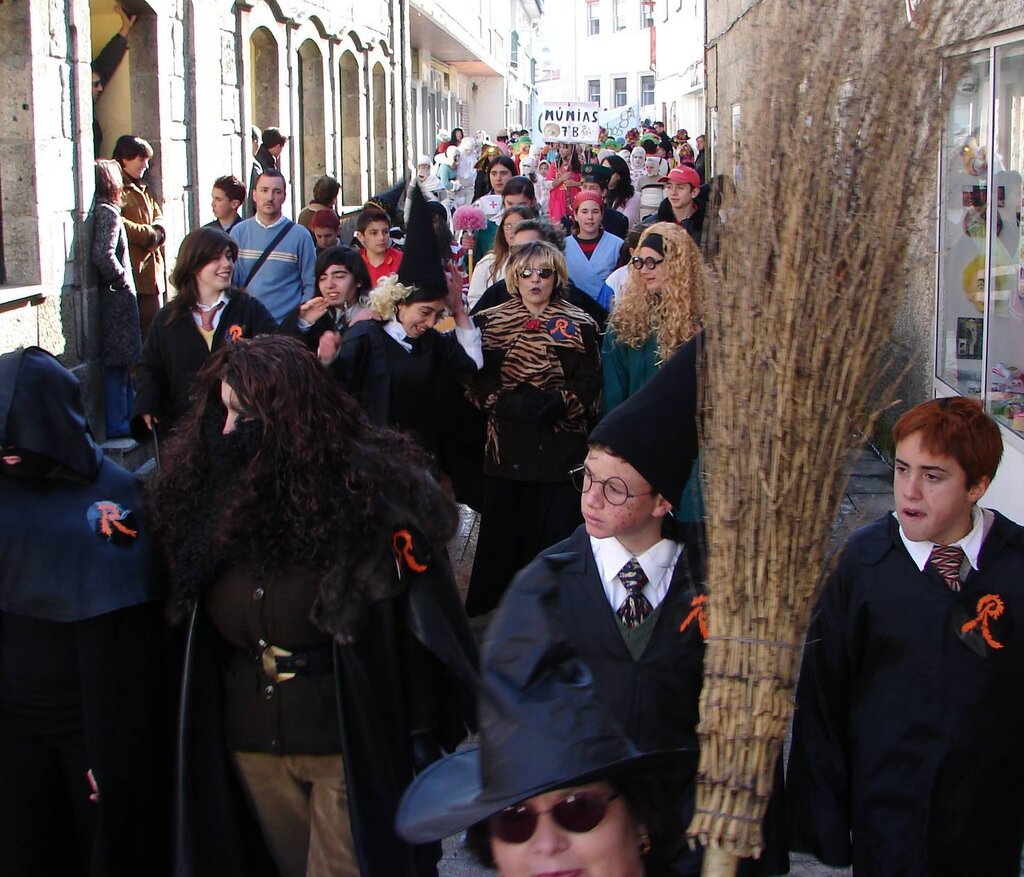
(906, 755)
(626, 589)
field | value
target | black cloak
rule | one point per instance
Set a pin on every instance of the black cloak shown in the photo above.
(74, 549)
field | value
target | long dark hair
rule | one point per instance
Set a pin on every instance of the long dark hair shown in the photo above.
(574, 159)
(199, 248)
(521, 185)
(312, 474)
(483, 179)
(623, 191)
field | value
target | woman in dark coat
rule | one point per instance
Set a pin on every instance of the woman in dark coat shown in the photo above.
(328, 658)
(120, 330)
(207, 313)
(540, 388)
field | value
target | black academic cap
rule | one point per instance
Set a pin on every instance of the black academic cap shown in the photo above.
(388, 200)
(421, 263)
(655, 429)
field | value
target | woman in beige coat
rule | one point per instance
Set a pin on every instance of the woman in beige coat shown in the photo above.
(145, 226)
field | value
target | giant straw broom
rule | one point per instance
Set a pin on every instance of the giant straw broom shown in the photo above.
(842, 135)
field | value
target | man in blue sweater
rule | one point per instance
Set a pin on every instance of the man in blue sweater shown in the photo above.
(285, 278)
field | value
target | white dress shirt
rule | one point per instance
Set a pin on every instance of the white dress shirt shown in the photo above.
(658, 562)
(469, 340)
(982, 520)
(205, 308)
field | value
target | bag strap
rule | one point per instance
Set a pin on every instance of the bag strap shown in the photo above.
(266, 253)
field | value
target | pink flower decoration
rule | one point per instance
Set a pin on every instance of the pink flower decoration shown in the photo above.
(469, 218)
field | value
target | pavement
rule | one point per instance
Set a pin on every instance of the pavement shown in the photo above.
(868, 496)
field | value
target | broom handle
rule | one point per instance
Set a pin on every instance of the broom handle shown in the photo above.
(719, 863)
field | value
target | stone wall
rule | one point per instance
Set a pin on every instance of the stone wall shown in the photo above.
(188, 87)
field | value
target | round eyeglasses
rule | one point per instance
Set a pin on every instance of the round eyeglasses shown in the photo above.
(579, 813)
(543, 273)
(650, 263)
(616, 491)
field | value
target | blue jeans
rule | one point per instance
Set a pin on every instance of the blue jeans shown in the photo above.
(118, 399)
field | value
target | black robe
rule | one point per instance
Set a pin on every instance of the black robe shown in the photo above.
(76, 563)
(175, 351)
(907, 733)
(401, 389)
(655, 697)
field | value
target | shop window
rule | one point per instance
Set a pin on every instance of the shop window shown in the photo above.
(593, 18)
(980, 320)
(594, 90)
(619, 90)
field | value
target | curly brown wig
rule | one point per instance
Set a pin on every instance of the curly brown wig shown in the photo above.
(674, 314)
(302, 473)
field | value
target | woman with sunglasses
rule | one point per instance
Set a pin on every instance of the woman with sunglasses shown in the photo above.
(565, 791)
(491, 268)
(660, 307)
(540, 388)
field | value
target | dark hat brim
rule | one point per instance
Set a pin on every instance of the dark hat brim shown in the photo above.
(448, 797)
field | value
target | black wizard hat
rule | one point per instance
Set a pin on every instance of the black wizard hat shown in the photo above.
(388, 200)
(421, 262)
(542, 727)
(655, 430)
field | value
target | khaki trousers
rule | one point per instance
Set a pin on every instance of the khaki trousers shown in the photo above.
(302, 806)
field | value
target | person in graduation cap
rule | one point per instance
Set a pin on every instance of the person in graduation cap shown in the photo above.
(555, 786)
(394, 366)
(81, 642)
(540, 388)
(591, 252)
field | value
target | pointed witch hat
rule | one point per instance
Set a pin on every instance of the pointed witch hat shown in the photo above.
(542, 727)
(421, 261)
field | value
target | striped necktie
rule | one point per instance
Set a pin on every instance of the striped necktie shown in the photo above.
(206, 315)
(947, 559)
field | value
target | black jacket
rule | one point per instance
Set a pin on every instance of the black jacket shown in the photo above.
(907, 731)
(497, 293)
(175, 351)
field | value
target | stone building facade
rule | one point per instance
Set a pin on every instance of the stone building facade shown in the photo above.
(961, 326)
(197, 76)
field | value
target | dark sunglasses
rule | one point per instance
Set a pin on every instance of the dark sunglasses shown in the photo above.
(579, 812)
(543, 273)
(650, 263)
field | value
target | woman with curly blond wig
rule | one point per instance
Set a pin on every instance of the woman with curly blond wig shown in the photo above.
(327, 658)
(660, 308)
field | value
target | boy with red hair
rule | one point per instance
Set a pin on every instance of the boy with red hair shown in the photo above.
(907, 756)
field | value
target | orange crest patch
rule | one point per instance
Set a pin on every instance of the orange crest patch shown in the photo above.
(699, 614)
(989, 608)
(404, 547)
(112, 523)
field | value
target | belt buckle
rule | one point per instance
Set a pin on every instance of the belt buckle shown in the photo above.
(269, 656)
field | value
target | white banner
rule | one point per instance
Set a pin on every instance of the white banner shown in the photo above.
(571, 122)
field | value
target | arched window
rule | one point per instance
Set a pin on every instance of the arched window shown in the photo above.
(312, 135)
(351, 166)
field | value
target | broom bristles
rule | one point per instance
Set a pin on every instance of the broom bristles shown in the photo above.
(811, 273)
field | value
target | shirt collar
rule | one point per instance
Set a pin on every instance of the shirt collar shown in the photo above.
(220, 298)
(981, 523)
(280, 219)
(657, 562)
(396, 331)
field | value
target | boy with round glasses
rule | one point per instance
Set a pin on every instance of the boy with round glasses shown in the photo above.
(626, 589)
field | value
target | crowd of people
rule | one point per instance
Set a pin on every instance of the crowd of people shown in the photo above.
(259, 662)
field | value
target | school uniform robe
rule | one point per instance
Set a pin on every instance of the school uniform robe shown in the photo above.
(590, 274)
(908, 727)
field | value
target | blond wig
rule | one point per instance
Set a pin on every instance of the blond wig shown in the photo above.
(387, 295)
(673, 315)
(536, 254)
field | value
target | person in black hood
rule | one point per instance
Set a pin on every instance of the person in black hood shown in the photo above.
(80, 635)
